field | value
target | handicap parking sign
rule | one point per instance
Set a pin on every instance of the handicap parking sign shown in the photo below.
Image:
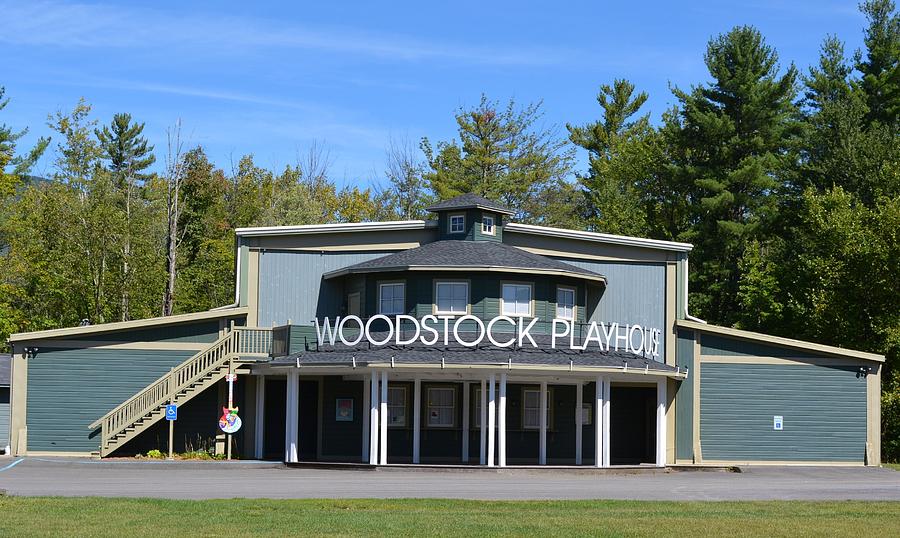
(171, 412)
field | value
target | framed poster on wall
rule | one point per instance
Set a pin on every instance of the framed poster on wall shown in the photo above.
(343, 410)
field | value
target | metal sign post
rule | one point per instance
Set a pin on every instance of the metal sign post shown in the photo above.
(171, 413)
(230, 377)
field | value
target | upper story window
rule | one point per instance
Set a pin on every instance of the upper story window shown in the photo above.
(516, 300)
(392, 298)
(353, 306)
(457, 224)
(451, 297)
(487, 225)
(565, 303)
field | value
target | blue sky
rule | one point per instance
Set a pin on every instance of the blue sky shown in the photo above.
(272, 78)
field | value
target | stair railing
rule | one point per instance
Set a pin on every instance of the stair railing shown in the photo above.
(156, 394)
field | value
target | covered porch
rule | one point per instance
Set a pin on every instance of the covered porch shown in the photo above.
(466, 414)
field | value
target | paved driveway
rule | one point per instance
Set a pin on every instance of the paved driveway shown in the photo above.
(188, 480)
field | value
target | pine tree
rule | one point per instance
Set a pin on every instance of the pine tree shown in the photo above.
(735, 139)
(624, 156)
(880, 66)
(128, 155)
(503, 155)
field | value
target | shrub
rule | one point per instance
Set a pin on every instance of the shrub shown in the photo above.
(155, 454)
(890, 424)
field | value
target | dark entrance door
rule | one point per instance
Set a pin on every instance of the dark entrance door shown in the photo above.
(632, 420)
(273, 423)
(309, 421)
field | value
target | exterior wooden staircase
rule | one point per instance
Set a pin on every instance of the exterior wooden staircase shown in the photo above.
(203, 370)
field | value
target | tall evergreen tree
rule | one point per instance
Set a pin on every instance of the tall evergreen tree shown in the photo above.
(502, 154)
(12, 166)
(128, 155)
(735, 139)
(623, 154)
(880, 64)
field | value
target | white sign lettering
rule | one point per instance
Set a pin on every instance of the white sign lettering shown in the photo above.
(500, 331)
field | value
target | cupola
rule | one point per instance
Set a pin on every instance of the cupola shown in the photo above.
(470, 217)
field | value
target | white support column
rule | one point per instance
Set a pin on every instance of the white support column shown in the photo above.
(465, 422)
(417, 420)
(598, 422)
(259, 434)
(542, 454)
(291, 428)
(661, 422)
(492, 420)
(383, 416)
(483, 430)
(373, 419)
(607, 396)
(501, 423)
(579, 433)
(366, 418)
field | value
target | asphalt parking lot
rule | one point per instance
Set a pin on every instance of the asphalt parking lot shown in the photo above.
(203, 480)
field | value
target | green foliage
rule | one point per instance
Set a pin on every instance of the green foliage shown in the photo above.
(880, 64)
(502, 154)
(890, 424)
(156, 454)
(734, 140)
(625, 158)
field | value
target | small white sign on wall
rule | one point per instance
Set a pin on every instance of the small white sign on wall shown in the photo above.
(778, 422)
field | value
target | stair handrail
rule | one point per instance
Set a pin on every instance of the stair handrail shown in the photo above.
(226, 347)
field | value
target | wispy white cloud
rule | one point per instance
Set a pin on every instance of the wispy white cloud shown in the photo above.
(66, 25)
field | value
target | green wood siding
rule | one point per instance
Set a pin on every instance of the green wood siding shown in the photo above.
(713, 344)
(200, 332)
(684, 397)
(70, 388)
(824, 410)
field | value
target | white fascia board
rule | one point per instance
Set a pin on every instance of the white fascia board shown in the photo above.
(125, 325)
(343, 227)
(641, 242)
(809, 347)
(466, 268)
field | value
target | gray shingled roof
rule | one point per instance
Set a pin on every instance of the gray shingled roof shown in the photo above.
(5, 363)
(474, 255)
(468, 201)
(341, 355)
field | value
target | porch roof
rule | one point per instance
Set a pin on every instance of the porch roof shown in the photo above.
(456, 356)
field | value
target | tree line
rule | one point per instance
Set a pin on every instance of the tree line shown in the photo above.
(786, 181)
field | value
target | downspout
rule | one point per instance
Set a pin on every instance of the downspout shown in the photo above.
(686, 281)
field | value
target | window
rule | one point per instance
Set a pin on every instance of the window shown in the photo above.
(516, 300)
(565, 303)
(451, 297)
(353, 304)
(487, 225)
(457, 224)
(531, 409)
(391, 298)
(441, 407)
(396, 405)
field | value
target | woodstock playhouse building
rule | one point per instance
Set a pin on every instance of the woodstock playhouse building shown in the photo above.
(463, 340)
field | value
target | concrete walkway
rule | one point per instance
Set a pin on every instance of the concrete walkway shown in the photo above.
(204, 480)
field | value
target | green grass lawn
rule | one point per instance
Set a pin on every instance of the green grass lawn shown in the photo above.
(45, 516)
(894, 466)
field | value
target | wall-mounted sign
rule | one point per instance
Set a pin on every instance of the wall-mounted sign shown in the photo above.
(778, 423)
(343, 410)
(470, 331)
